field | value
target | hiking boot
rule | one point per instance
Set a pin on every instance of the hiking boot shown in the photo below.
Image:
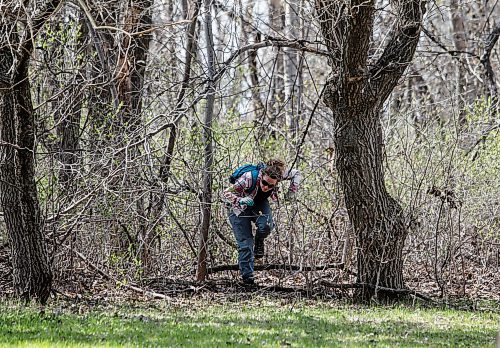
(248, 281)
(258, 250)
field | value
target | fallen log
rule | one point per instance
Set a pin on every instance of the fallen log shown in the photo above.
(277, 266)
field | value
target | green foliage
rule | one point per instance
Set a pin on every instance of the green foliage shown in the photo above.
(256, 323)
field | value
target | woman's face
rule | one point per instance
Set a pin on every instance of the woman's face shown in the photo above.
(267, 183)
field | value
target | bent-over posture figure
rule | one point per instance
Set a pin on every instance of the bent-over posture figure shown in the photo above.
(248, 203)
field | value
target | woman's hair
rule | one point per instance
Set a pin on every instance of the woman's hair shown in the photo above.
(277, 162)
(274, 169)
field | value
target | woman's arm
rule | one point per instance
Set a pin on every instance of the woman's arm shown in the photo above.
(295, 178)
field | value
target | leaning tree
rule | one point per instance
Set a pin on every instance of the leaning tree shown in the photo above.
(19, 25)
(362, 80)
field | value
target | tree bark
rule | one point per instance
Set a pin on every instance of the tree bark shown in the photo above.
(132, 61)
(130, 83)
(356, 94)
(208, 149)
(377, 218)
(277, 97)
(18, 193)
(292, 69)
(460, 42)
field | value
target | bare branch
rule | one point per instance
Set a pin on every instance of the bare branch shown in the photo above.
(268, 42)
(333, 23)
(400, 49)
(452, 53)
(190, 52)
(110, 277)
(490, 42)
(85, 9)
(27, 42)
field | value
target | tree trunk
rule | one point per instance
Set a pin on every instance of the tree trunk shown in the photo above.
(292, 69)
(277, 98)
(355, 94)
(132, 61)
(377, 218)
(68, 109)
(208, 150)
(103, 100)
(18, 194)
(490, 42)
(130, 83)
(460, 42)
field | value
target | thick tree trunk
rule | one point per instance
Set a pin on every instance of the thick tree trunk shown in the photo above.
(130, 83)
(356, 94)
(377, 218)
(18, 194)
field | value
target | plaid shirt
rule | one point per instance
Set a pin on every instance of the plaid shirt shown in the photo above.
(239, 189)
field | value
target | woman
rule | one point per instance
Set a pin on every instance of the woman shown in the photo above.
(249, 204)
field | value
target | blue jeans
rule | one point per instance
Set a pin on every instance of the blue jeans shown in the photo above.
(261, 216)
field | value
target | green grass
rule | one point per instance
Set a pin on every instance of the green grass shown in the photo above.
(258, 322)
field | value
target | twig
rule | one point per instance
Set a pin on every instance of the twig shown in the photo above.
(452, 53)
(277, 288)
(184, 232)
(147, 292)
(91, 20)
(309, 122)
(225, 240)
(110, 277)
(15, 146)
(55, 217)
(269, 41)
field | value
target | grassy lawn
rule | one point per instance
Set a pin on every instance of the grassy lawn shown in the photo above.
(258, 322)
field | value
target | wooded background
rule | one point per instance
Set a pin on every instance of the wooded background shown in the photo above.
(121, 122)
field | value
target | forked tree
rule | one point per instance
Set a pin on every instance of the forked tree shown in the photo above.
(360, 84)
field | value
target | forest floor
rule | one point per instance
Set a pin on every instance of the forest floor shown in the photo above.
(222, 312)
(88, 309)
(247, 318)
